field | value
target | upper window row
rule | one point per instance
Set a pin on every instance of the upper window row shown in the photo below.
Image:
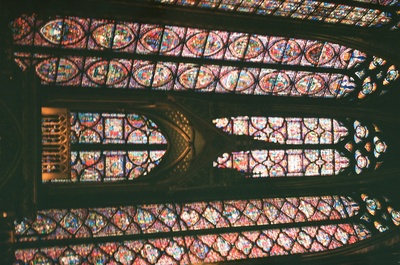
(347, 14)
(339, 71)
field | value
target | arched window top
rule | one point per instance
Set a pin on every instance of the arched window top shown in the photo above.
(102, 146)
(287, 228)
(351, 13)
(258, 64)
(354, 143)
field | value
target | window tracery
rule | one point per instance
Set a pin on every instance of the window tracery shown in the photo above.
(357, 144)
(105, 147)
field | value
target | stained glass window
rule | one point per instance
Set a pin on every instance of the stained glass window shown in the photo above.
(351, 13)
(269, 65)
(106, 146)
(187, 218)
(355, 144)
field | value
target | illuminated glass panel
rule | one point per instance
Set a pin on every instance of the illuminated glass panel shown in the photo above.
(302, 236)
(285, 130)
(363, 146)
(281, 163)
(154, 218)
(380, 2)
(303, 9)
(147, 39)
(114, 128)
(113, 146)
(138, 74)
(183, 42)
(203, 78)
(207, 248)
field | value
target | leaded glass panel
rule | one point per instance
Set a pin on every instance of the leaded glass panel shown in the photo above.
(193, 248)
(333, 13)
(155, 218)
(356, 144)
(360, 74)
(111, 147)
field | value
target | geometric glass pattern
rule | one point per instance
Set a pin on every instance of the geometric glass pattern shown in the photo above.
(156, 218)
(281, 163)
(285, 130)
(355, 144)
(354, 13)
(113, 146)
(341, 221)
(269, 65)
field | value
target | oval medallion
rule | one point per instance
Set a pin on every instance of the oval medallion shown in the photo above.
(46, 70)
(123, 36)
(67, 31)
(111, 73)
(252, 47)
(20, 28)
(310, 84)
(144, 74)
(320, 53)
(284, 51)
(204, 42)
(151, 40)
(204, 78)
(237, 80)
(274, 82)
